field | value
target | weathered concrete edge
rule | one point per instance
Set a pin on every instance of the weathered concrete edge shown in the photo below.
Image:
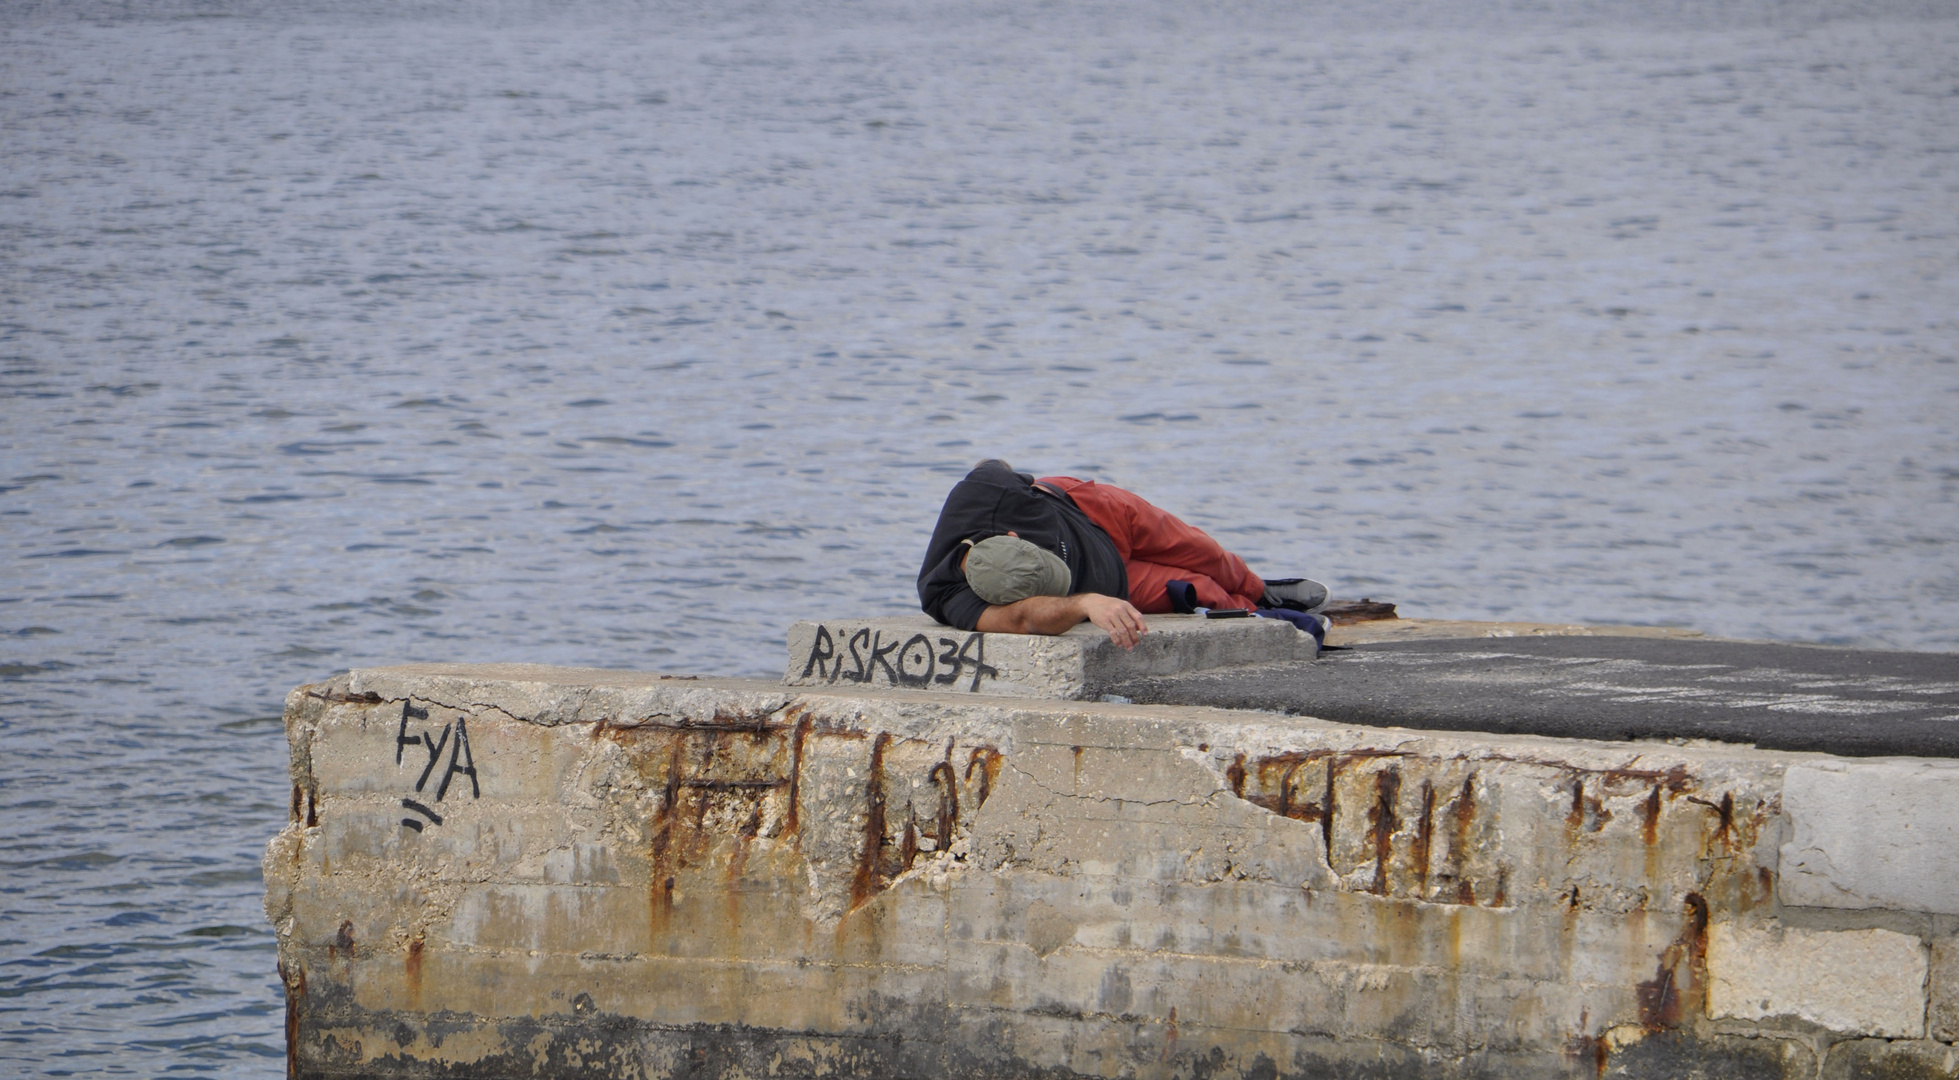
(622, 698)
(1418, 629)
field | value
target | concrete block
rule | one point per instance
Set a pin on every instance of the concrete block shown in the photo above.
(1427, 1007)
(1942, 987)
(358, 912)
(1140, 814)
(1883, 1059)
(550, 918)
(1860, 982)
(916, 653)
(1288, 925)
(1638, 1054)
(535, 841)
(1878, 834)
(792, 995)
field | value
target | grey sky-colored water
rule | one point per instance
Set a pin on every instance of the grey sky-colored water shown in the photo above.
(623, 335)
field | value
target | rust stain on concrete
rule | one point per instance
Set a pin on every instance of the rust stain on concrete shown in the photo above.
(869, 879)
(412, 970)
(987, 760)
(1724, 819)
(294, 979)
(1383, 822)
(792, 822)
(946, 779)
(1681, 979)
(1649, 820)
(1424, 838)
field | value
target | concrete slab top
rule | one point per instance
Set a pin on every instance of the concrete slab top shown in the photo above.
(1849, 702)
(1396, 629)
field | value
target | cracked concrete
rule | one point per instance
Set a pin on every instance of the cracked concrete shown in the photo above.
(491, 870)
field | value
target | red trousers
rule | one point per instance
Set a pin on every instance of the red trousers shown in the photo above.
(1157, 549)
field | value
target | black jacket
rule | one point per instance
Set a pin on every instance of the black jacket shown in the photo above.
(993, 500)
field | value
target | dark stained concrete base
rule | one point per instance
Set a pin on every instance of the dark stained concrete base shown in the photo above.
(352, 1044)
(1779, 697)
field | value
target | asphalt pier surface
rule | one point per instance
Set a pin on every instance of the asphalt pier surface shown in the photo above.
(1780, 697)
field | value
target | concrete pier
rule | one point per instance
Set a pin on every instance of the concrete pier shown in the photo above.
(522, 871)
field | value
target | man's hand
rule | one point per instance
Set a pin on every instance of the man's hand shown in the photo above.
(1059, 614)
(1119, 617)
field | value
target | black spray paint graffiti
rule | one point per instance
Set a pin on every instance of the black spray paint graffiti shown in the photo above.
(461, 762)
(911, 662)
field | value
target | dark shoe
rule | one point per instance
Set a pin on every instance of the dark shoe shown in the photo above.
(1296, 594)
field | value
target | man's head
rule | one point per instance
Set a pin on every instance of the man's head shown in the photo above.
(1007, 569)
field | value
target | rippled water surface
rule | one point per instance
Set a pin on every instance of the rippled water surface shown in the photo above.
(625, 335)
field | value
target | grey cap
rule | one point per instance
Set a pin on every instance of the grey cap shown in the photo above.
(1006, 569)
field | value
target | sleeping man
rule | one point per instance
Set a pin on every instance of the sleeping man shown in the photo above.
(1015, 555)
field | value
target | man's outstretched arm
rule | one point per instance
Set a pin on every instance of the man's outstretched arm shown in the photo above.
(1059, 614)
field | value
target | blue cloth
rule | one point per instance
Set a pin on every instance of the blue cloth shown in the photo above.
(1309, 623)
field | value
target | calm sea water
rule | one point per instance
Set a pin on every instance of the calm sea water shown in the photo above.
(624, 335)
